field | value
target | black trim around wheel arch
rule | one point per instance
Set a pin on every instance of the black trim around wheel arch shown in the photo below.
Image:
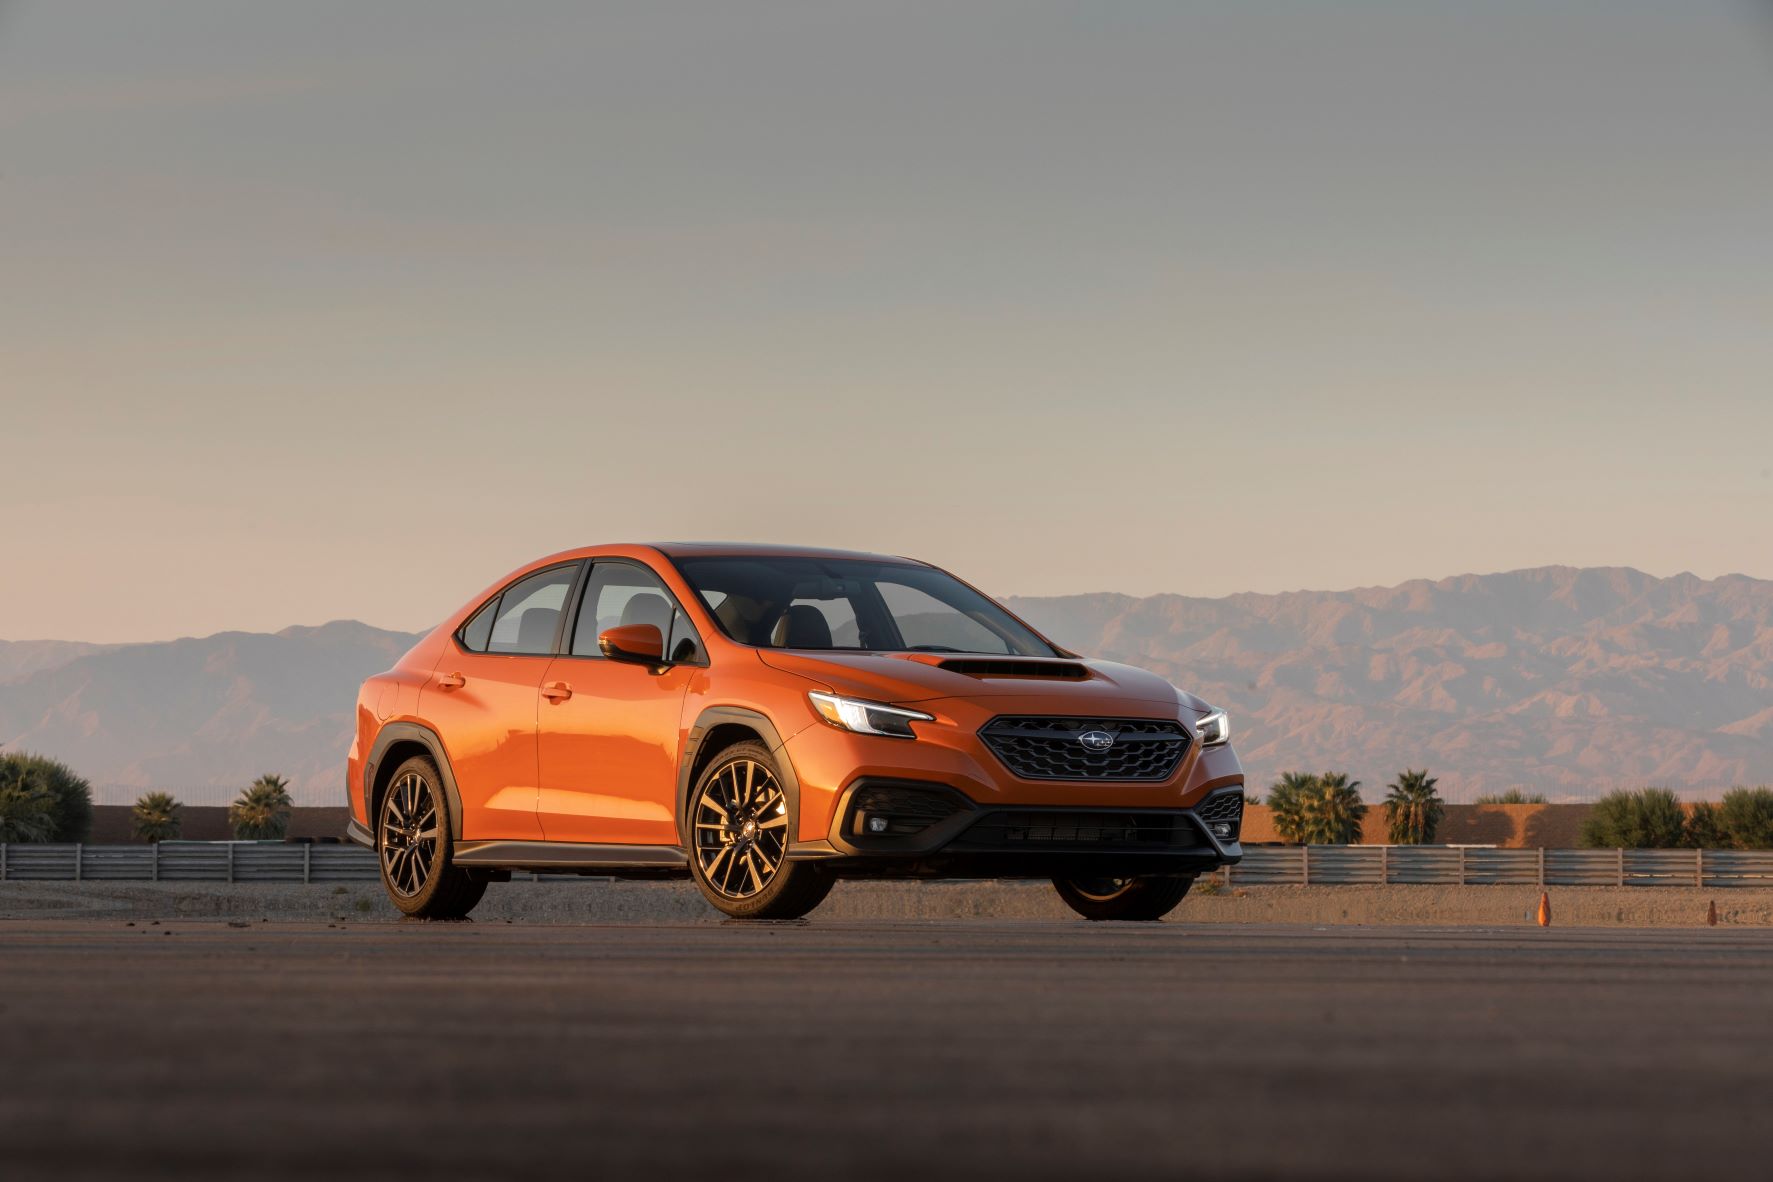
(411, 732)
(356, 831)
(706, 721)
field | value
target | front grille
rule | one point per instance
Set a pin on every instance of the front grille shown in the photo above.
(1228, 806)
(1011, 829)
(1050, 748)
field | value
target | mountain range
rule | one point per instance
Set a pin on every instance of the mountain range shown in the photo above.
(1564, 681)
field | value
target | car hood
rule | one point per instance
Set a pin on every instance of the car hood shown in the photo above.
(1067, 684)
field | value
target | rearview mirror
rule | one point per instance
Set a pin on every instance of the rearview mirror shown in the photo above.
(639, 644)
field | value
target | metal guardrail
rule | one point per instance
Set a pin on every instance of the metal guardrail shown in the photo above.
(189, 861)
(1314, 865)
(1326, 865)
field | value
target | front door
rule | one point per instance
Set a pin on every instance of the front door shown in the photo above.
(482, 701)
(609, 732)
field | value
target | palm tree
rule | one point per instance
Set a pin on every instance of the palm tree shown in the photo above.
(27, 804)
(1331, 810)
(262, 811)
(1286, 797)
(1413, 809)
(70, 797)
(156, 817)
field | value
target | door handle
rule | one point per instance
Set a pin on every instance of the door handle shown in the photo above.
(557, 691)
(451, 681)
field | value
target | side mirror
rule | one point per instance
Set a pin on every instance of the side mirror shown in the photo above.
(638, 644)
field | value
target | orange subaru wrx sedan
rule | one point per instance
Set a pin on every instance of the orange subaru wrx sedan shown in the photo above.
(767, 720)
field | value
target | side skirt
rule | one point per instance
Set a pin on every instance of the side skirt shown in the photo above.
(584, 857)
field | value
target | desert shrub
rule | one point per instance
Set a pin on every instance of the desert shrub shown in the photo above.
(1705, 829)
(262, 811)
(1746, 816)
(70, 797)
(157, 817)
(1324, 809)
(1512, 796)
(1413, 809)
(1644, 819)
(27, 807)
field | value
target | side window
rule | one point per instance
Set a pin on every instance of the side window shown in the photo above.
(684, 646)
(623, 593)
(477, 631)
(529, 612)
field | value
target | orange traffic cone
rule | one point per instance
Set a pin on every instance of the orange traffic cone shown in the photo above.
(1544, 909)
(1711, 914)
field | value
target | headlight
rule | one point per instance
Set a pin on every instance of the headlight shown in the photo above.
(867, 718)
(1213, 730)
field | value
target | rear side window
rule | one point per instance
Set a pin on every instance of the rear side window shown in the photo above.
(477, 631)
(529, 612)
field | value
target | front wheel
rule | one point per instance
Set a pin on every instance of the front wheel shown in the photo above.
(412, 838)
(1146, 898)
(740, 827)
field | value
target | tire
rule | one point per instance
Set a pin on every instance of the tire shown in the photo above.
(413, 846)
(1145, 899)
(739, 826)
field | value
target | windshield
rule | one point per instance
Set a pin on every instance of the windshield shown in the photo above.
(854, 604)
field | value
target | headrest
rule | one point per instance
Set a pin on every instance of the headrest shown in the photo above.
(648, 607)
(535, 629)
(802, 626)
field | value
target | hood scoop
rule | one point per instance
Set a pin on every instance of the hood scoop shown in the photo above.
(990, 667)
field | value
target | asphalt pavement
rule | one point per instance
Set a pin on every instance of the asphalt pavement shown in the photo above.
(1039, 1050)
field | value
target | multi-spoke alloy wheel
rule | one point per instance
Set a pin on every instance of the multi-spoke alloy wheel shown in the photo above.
(741, 828)
(409, 835)
(1147, 897)
(413, 835)
(741, 820)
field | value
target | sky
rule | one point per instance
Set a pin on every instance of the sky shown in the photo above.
(337, 310)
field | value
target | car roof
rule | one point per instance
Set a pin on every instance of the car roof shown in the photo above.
(768, 550)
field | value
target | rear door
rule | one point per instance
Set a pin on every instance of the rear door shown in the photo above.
(482, 699)
(609, 732)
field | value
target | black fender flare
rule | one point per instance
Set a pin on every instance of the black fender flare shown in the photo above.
(412, 732)
(706, 721)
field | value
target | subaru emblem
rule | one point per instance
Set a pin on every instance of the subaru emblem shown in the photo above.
(1096, 740)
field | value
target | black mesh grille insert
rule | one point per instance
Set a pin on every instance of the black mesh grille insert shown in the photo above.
(1011, 829)
(907, 809)
(1074, 748)
(1226, 807)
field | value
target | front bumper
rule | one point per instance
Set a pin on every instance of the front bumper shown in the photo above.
(886, 827)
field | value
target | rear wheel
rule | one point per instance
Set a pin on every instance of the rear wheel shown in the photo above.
(1145, 898)
(740, 826)
(413, 841)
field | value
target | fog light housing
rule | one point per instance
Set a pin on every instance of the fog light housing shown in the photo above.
(878, 824)
(1223, 830)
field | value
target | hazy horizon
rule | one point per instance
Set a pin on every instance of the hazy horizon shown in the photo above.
(331, 311)
(421, 629)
